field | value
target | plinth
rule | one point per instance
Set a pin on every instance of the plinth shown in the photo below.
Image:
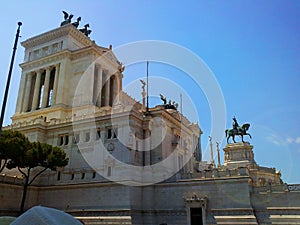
(238, 155)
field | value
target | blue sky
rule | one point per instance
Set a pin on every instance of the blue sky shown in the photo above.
(252, 47)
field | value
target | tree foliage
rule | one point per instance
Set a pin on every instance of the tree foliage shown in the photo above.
(30, 158)
(12, 144)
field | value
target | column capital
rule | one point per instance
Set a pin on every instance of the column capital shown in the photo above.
(39, 71)
(48, 68)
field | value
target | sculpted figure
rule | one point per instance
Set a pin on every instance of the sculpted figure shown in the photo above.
(85, 30)
(164, 99)
(67, 17)
(237, 130)
(76, 24)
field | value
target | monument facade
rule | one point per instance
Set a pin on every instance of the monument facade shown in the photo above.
(129, 164)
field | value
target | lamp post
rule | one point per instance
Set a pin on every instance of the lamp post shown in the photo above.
(9, 76)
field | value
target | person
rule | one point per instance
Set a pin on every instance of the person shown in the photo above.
(235, 124)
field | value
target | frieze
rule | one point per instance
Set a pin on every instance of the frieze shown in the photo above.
(57, 33)
(44, 61)
(45, 51)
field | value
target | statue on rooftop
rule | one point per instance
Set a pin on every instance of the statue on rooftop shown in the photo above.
(85, 30)
(76, 24)
(143, 85)
(170, 104)
(237, 130)
(67, 17)
(163, 98)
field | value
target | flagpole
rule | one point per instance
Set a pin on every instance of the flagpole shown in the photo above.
(147, 87)
(9, 76)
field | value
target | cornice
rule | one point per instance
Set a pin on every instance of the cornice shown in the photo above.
(57, 33)
(41, 62)
(72, 55)
(97, 51)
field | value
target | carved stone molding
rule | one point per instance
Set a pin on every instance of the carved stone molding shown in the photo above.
(57, 33)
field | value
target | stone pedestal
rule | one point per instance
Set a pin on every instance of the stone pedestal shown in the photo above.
(238, 155)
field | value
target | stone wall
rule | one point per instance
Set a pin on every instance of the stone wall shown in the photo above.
(276, 205)
(10, 198)
(228, 200)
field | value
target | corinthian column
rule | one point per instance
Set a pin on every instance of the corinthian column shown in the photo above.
(99, 88)
(46, 88)
(55, 84)
(21, 93)
(27, 92)
(36, 92)
(107, 88)
(117, 93)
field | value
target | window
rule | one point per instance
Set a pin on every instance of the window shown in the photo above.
(109, 133)
(98, 134)
(66, 139)
(94, 175)
(61, 140)
(72, 176)
(58, 175)
(82, 175)
(109, 171)
(87, 136)
(76, 138)
(115, 131)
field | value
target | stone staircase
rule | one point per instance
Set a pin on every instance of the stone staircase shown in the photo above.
(105, 220)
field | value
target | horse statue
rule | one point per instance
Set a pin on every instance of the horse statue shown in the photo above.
(85, 30)
(76, 24)
(237, 130)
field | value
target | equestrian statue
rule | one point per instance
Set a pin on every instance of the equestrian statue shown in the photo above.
(237, 130)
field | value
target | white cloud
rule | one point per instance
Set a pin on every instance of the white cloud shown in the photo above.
(274, 139)
(289, 140)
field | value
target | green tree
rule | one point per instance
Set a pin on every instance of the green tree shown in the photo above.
(31, 159)
(12, 143)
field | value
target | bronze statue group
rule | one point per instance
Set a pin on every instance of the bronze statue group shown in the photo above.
(68, 20)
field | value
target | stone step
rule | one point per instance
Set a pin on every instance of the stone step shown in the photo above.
(105, 220)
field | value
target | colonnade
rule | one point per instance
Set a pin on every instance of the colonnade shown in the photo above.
(38, 89)
(106, 87)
